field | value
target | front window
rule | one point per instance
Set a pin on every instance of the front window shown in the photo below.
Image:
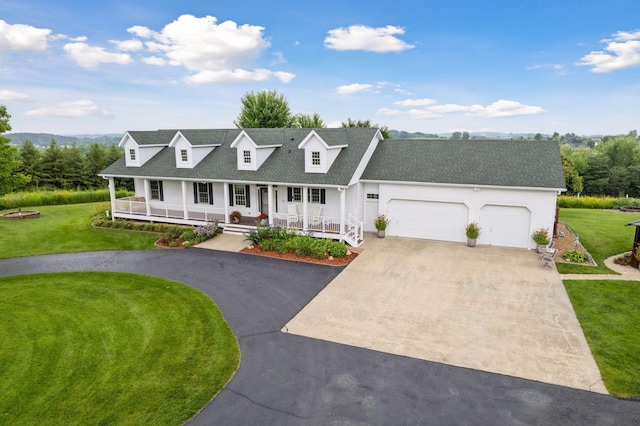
(296, 194)
(240, 195)
(373, 196)
(315, 158)
(132, 154)
(203, 193)
(247, 157)
(184, 156)
(314, 195)
(156, 190)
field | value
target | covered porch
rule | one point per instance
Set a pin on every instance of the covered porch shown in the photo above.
(302, 216)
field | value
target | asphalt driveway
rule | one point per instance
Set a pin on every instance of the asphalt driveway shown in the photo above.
(487, 308)
(286, 379)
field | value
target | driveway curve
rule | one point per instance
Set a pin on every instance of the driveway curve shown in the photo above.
(286, 379)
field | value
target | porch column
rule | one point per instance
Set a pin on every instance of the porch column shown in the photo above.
(305, 196)
(112, 196)
(343, 196)
(184, 199)
(225, 185)
(147, 196)
(270, 203)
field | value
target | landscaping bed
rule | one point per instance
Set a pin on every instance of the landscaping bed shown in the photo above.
(331, 261)
(567, 243)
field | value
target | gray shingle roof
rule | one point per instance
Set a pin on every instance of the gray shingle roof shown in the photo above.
(476, 162)
(159, 137)
(284, 165)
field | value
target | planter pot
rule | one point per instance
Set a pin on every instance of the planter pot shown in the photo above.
(471, 242)
(235, 220)
(542, 247)
(381, 233)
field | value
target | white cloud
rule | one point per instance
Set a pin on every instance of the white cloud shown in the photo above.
(390, 112)
(91, 56)
(430, 110)
(74, 109)
(415, 102)
(10, 95)
(353, 88)
(360, 37)
(128, 45)
(154, 60)
(20, 37)
(215, 52)
(504, 108)
(556, 68)
(622, 51)
(238, 76)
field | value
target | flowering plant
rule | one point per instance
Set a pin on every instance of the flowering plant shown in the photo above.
(263, 216)
(541, 236)
(472, 230)
(381, 222)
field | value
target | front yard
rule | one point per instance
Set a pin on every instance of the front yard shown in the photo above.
(608, 311)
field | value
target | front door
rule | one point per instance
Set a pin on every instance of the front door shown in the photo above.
(264, 200)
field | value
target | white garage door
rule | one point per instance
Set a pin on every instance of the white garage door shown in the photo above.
(505, 226)
(427, 219)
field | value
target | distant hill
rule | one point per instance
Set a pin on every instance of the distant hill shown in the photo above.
(43, 139)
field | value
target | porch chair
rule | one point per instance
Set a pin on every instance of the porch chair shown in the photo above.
(314, 217)
(546, 258)
(292, 214)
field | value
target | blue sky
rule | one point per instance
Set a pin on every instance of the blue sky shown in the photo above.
(72, 67)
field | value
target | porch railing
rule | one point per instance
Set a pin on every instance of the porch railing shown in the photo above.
(159, 209)
(327, 224)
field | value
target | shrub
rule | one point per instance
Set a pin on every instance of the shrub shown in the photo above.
(472, 230)
(574, 256)
(186, 244)
(381, 222)
(541, 236)
(173, 244)
(58, 197)
(286, 241)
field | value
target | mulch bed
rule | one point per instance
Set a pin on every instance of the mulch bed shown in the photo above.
(567, 243)
(160, 243)
(336, 261)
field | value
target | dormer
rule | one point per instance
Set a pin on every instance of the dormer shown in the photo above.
(190, 152)
(252, 153)
(140, 147)
(318, 155)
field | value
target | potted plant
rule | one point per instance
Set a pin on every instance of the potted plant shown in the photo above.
(541, 237)
(381, 222)
(235, 216)
(472, 230)
(262, 219)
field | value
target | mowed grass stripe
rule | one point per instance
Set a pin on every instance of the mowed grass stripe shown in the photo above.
(92, 348)
(66, 229)
(609, 313)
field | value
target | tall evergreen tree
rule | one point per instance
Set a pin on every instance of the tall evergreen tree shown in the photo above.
(10, 178)
(53, 166)
(95, 161)
(31, 164)
(73, 165)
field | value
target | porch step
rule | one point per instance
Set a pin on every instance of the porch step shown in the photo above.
(236, 229)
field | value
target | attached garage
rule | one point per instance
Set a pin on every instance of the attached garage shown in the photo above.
(506, 226)
(431, 220)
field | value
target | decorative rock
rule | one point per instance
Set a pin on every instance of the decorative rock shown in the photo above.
(348, 253)
(330, 257)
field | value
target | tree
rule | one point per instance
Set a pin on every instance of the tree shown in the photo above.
(73, 165)
(573, 181)
(465, 136)
(538, 137)
(10, 178)
(456, 136)
(265, 109)
(366, 123)
(621, 151)
(596, 176)
(556, 136)
(306, 121)
(31, 163)
(53, 166)
(95, 162)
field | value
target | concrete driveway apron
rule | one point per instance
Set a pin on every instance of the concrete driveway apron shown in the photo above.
(486, 308)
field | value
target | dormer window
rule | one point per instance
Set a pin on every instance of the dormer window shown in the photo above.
(184, 156)
(132, 154)
(247, 156)
(315, 158)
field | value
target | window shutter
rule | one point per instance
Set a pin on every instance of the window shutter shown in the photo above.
(246, 193)
(210, 193)
(322, 196)
(195, 192)
(289, 194)
(231, 194)
(160, 190)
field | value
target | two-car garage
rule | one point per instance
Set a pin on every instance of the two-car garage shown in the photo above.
(501, 225)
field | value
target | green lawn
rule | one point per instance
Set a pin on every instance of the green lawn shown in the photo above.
(603, 234)
(109, 348)
(609, 313)
(66, 229)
